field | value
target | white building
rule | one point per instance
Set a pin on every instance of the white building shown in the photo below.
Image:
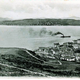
(75, 44)
(78, 40)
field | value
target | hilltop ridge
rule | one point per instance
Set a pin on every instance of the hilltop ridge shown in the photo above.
(47, 21)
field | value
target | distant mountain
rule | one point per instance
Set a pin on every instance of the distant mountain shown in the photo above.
(74, 17)
(4, 19)
(47, 22)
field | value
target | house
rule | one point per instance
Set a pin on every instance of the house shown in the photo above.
(62, 58)
(45, 51)
(41, 49)
(66, 49)
(56, 45)
(70, 43)
(77, 54)
(52, 50)
(78, 40)
(68, 58)
(76, 43)
(71, 58)
(65, 44)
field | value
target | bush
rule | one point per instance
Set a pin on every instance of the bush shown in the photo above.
(77, 69)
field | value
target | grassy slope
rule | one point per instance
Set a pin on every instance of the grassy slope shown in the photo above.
(18, 58)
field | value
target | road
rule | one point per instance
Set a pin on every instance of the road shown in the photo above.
(32, 72)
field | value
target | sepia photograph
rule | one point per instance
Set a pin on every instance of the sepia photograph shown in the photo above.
(39, 38)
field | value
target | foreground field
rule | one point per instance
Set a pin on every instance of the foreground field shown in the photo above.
(23, 62)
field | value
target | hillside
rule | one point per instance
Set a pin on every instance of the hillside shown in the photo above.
(19, 62)
(48, 22)
(23, 62)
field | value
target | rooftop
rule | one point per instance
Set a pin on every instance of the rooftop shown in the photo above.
(56, 43)
(78, 39)
(77, 50)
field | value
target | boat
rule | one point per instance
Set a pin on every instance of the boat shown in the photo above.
(65, 36)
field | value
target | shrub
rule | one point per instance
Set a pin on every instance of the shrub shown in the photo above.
(77, 69)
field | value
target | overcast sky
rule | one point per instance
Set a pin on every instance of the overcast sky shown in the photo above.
(20, 9)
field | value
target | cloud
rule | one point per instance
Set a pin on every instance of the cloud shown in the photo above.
(27, 9)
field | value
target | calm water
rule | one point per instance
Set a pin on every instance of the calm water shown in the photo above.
(28, 36)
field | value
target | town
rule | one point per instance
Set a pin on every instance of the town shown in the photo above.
(68, 51)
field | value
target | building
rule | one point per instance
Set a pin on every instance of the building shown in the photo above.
(56, 46)
(66, 51)
(77, 54)
(78, 40)
(75, 44)
(68, 58)
(68, 44)
(65, 44)
(45, 51)
(75, 41)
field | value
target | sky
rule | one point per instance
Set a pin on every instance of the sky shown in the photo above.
(23, 9)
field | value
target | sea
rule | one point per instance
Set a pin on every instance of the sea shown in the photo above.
(32, 37)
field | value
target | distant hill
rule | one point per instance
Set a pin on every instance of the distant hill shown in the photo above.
(48, 22)
(4, 19)
(74, 17)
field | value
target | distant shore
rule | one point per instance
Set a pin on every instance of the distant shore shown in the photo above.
(42, 22)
